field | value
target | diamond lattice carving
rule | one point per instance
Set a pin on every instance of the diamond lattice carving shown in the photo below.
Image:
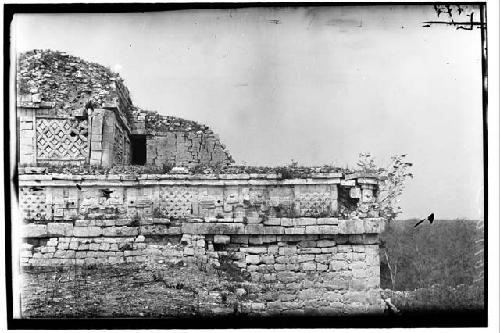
(62, 139)
(175, 201)
(32, 204)
(314, 204)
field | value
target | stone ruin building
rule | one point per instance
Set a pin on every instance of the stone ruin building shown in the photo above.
(104, 182)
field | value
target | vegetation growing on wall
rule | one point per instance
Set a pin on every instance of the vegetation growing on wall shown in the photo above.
(392, 182)
(283, 172)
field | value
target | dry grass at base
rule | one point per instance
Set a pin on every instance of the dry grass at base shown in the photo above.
(128, 290)
(438, 298)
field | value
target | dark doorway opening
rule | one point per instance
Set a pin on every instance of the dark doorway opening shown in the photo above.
(138, 147)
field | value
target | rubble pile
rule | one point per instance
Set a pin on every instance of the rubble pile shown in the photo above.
(300, 172)
(155, 122)
(46, 76)
(67, 86)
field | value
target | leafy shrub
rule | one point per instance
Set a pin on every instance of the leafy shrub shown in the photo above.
(392, 181)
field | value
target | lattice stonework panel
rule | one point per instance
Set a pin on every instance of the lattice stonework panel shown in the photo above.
(33, 203)
(175, 201)
(118, 150)
(62, 139)
(314, 204)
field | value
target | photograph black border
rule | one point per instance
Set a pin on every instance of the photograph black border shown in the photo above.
(413, 320)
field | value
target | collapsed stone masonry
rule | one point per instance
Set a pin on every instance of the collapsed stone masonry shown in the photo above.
(310, 239)
(73, 112)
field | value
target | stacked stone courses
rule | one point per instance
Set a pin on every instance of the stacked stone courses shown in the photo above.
(176, 141)
(304, 237)
(59, 88)
(255, 220)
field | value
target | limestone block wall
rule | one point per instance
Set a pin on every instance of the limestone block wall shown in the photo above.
(110, 143)
(284, 237)
(186, 149)
(26, 125)
(332, 267)
(58, 93)
(251, 197)
(173, 141)
(49, 136)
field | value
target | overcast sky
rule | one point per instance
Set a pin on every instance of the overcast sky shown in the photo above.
(318, 86)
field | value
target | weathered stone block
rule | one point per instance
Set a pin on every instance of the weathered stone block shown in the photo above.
(213, 228)
(305, 257)
(312, 230)
(255, 229)
(267, 259)
(94, 247)
(322, 258)
(274, 230)
(254, 250)
(276, 221)
(358, 248)
(280, 267)
(104, 247)
(252, 259)
(256, 240)
(374, 226)
(321, 267)
(308, 266)
(63, 246)
(304, 221)
(307, 294)
(221, 239)
(35, 230)
(328, 229)
(87, 231)
(287, 277)
(272, 249)
(338, 265)
(295, 231)
(310, 250)
(325, 243)
(73, 245)
(339, 284)
(120, 231)
(287, 251)
(286, 222)
(351, 226)
(327, 221)
(59, 229)
(47, 249)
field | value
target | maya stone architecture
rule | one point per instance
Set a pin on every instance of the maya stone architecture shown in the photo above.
(102, 182)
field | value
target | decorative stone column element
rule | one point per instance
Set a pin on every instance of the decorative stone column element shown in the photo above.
(27, 136)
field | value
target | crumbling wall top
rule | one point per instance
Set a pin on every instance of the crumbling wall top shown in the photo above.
(53, 79)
